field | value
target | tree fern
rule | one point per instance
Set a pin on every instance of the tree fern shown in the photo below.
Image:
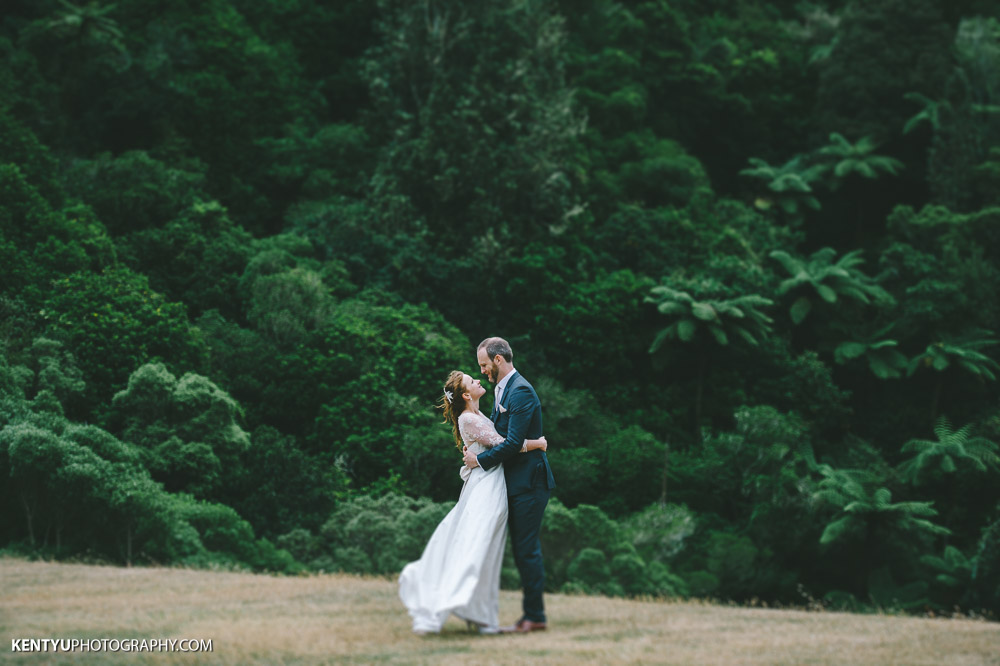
(953, 569)
(951, 448)
(864, 505)
(719, 318)
(787, 186)
(707, 322)
(931, 113)
(963, 353)
(884, 359)
(846, 158)
(828, 279)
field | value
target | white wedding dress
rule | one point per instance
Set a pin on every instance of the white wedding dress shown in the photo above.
(459, 571)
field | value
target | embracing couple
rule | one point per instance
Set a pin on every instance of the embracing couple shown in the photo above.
(507, 481)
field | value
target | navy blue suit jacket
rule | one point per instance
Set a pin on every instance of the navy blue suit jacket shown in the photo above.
(520, 419)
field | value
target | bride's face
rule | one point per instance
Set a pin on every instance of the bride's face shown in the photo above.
(473, 387)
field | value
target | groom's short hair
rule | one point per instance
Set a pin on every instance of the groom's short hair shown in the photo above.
(497, 347)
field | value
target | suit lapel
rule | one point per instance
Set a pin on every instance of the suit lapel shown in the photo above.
(503, 399)
(507, 389)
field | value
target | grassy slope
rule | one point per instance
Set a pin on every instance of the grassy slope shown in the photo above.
(347, 619)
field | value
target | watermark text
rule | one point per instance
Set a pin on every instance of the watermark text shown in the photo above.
(111, 645)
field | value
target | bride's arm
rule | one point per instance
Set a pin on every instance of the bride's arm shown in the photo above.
(479, 430)
(483, 432)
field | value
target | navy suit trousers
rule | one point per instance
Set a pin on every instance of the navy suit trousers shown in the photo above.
(525, 511)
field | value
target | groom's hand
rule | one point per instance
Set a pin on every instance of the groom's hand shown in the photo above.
(470, 458)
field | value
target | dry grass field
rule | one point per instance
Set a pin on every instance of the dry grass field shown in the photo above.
(350, 620)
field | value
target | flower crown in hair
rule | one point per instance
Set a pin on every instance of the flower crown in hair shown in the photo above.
(448, 395)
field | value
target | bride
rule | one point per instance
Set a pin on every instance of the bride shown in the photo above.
(459, 571)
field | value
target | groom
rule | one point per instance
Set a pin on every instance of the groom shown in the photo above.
(517, 415)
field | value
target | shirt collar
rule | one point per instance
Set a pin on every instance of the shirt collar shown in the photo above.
(502, 384)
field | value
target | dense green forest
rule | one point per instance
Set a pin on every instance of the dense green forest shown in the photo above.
(748, 253)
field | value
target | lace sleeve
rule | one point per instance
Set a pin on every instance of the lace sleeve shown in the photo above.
(477, 429)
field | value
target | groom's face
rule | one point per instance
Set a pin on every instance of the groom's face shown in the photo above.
(486, 366)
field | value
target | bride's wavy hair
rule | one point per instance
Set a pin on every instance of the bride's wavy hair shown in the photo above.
(453, 408)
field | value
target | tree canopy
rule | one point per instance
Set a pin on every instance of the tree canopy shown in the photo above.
(746, 252)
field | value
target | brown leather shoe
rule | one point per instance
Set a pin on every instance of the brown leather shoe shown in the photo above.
(527, 626)
(524, 627)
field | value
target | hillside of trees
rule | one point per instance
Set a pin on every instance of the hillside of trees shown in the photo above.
(748, 253)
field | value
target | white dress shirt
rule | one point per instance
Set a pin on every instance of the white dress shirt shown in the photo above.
(501, 385)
